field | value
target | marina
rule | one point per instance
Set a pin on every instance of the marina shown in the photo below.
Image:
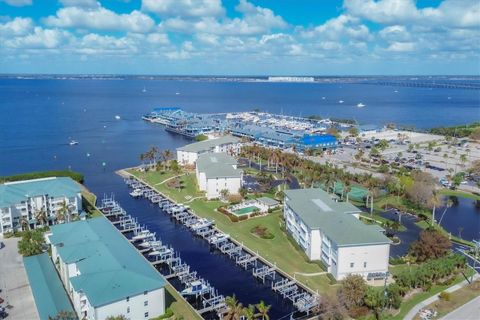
(168, 262)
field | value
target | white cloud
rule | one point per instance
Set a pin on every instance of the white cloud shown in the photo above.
(101, 19)
(254, 21)
(80, 3)
(450, 13)
(401, 47)
(343, 26)
(16, 27)
(39, 38)
(18, 3)
(184, 8)
(395, 33)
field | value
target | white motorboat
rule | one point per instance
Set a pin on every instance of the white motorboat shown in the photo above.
(73, 142)
(196, 287)
(144, 234)
(361, 105)
(136, 193)
(202, 223)
(118, 117)
(219, 237)
(340, 101)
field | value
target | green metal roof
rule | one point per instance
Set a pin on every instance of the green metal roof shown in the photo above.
(111, 268)
(218, 165)
(319, 210)
(208, 145)
(48, 291)
(15, 192)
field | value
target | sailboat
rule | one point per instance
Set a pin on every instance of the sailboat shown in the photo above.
(144, 89)
(361, 105)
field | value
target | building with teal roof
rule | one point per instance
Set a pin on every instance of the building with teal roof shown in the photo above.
(329, 230)
(37, 202)
(103, 273)
(216, 172)
(48, 291)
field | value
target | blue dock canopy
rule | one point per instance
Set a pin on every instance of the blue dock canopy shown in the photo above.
(48, 291)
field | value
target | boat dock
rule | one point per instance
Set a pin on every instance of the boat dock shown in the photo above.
(302, 297)
(203, 297)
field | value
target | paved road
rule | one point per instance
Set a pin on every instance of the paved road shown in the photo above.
(469, 311)
(14, 283)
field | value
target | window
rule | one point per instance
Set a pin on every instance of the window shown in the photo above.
(145, 303)
(146, 314)
(128, 309)
(365, 264)
(352, 264)
(128, 299)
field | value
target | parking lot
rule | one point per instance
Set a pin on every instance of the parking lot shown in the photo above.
(16, 292)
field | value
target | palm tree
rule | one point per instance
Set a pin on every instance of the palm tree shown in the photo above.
(249, 313)
(62, 213)
(166, 156)
(463, 159)
(235, 309)
(41, 216)
(447, 205)
(263, 310)
(347, 188)
(434, 201)
(24, 223)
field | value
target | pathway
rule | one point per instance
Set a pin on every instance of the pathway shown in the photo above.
(14, 285)
(162, 182)
(416, 309)
(310, 274)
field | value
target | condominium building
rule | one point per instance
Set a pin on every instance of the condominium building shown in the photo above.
(188, 155)
(216, 172)
(330, 231)
(103, 273)
(32, 203)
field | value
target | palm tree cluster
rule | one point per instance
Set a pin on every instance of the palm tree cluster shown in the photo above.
(156, 156)
(308, 172)
(236, 310)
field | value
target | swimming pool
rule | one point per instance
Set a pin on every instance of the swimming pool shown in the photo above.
(245, 211)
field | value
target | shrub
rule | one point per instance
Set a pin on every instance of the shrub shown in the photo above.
(44, 174)
(445, 296)
(262, 232)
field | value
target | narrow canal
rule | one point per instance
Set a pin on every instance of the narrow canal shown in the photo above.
(220, 271)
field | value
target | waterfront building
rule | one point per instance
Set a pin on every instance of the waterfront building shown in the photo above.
(103, 273)
(291, 79)
(216, 172)
(33, 203)
(330, 231)
(188, 155)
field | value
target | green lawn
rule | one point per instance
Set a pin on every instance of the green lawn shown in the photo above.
(180, 308)
(448, 192)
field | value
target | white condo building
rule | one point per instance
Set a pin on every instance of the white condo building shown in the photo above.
(36, 202)
(188, 155)
(330, 231)
(216, 172)
(103, 274)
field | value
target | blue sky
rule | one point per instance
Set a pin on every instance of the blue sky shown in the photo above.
(240, 37)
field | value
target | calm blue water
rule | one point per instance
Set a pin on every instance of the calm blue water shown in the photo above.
(39, 117)
(462, 219)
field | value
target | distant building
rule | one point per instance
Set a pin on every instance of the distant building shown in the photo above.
(291, 79)
(216, 172)
(330, 231)
(103, 273)
(187, 155)
(22, 202)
